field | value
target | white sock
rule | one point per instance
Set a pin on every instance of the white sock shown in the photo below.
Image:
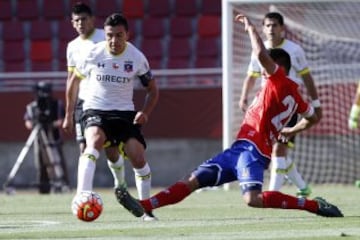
(277, 176)
(118, 171)
(294, 176)
(143, 181)
(86, 169)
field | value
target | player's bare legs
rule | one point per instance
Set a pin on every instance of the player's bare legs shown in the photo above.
(95, 138)
(116, 165)
(136, 154)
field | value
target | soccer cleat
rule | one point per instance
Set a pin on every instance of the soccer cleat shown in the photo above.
(149, 217)
(305, 192)
(327, 209)
(128, 202)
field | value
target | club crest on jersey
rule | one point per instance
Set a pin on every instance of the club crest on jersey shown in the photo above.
(115, 66)
(101, 65)
(128, 66)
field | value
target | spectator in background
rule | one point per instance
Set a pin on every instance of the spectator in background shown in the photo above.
(282, 165)
(48, 113)
(353, 121)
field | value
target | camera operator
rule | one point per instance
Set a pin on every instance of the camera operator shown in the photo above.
(48, 112)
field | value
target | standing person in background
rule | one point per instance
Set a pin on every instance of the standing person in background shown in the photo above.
(249, 156)
(111, 68)
(282, 165)
(353, 121)
(48, 113)
(355, 111)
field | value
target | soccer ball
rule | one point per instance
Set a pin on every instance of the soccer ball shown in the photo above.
(87, 206)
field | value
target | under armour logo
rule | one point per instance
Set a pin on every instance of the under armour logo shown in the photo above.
(101, 65)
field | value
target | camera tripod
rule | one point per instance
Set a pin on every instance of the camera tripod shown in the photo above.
(50, 156)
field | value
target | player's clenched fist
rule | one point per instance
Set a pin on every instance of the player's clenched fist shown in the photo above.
(243, 19)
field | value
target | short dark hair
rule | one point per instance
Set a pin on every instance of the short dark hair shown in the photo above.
(80, 8)
(281, 57)
(116, 19)
(275, 15)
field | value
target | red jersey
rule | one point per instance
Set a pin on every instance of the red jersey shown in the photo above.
(275, 104)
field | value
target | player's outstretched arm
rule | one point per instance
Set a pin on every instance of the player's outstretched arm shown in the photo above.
(305, 123)
(257, 45)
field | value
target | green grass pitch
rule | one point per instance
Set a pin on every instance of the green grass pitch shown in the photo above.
(211, 214)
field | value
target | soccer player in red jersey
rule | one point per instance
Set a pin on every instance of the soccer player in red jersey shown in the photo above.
(249, 156)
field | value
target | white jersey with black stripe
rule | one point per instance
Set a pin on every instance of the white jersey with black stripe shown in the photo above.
(78, 49)
(111, 78)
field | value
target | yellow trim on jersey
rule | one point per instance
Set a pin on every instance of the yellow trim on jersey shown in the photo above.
(358, 89)
(282, 43)
(78, 74)
(304, 71)
(70, 69)
(254, 74)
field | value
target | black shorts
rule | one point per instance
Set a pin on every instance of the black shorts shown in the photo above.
(292, 123)
(79, 128)
(117, 125)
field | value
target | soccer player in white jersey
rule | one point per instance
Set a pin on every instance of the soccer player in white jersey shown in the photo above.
(282, 165)
(109, 89)
(83, 22)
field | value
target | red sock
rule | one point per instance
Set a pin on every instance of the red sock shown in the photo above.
(274, 199)
(171, 195)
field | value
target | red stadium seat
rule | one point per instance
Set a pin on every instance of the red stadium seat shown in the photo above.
(5, 10)
(211, 7)
(62, 65)
(181, 27)
(103, 8)
(87, 2)
(159, 8)
(133, 29)
(153, 50)
(153, 27)
(42, 66)
(53, 10)
(207, 62)
(27, 9)
(133, 8)
(208, 47)
(41, 30)
(13, 51)
(178, 62)
(180, 53)
(41, 51)
(209, 26)
(66, 32)
(179, 48)
(8, 31)
(61, 51)
(14, 56)
(186, 8)
(14, 66)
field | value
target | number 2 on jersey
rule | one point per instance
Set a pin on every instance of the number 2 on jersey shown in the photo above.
(291, 105)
